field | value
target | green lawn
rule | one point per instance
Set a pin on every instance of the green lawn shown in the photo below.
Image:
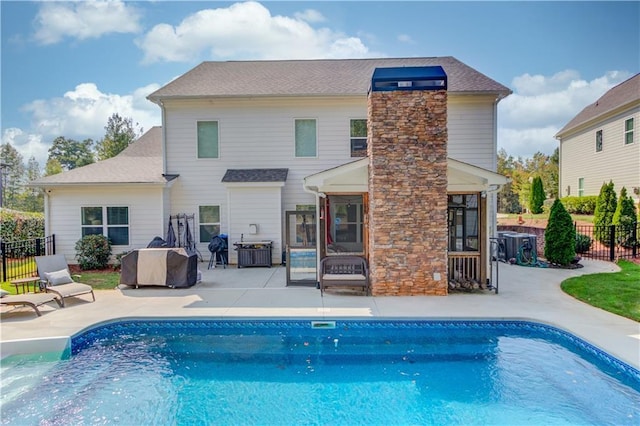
(617, 292)
(107, 280)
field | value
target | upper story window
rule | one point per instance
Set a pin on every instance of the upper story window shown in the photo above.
(113, 222)
(209, 218)
(306, 138)
(599, 141)
(628, 131)
(208, 146)
(358, 137)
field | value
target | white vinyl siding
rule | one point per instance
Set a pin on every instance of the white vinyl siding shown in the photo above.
(261, 206)
(259, 133)
(306, 138)
(208, 145)
(144, 206)
(618, 162)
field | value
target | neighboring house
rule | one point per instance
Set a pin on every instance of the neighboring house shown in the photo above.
(280, 152)
(602, 144)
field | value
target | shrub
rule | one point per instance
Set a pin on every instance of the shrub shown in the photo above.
(93, 252)
(20, 226)
(605, 209)
(583, 243)
(536, 196)
(560, 236)
(580, 205)
(626, 232)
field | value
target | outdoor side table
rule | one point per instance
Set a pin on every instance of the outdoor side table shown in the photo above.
(24, 282)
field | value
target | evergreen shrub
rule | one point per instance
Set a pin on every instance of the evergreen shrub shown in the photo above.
(560, 236)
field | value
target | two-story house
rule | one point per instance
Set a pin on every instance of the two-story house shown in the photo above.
(601, 144)
(307, 155)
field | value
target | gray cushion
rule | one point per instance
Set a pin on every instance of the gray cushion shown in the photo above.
(59, 277)
(3, 293)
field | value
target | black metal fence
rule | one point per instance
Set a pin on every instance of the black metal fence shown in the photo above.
(18, 257)
(609, 242)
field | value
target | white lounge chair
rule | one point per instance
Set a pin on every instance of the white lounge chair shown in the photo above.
(55, 278)
(32, 300)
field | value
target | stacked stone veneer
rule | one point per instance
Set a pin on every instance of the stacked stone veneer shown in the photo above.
(407, 149)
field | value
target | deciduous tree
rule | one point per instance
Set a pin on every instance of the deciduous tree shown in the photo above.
(70, 153)
(120, 132)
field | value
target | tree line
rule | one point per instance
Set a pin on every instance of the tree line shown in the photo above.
(64, 154)
(533, 180)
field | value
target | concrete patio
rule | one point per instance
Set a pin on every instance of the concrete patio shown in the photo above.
(524, 293)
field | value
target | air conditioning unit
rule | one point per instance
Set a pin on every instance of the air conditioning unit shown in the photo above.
(500, 252)
(513, 243)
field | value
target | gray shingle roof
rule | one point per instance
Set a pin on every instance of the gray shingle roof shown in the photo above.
(140, 162)
(624, 93)
(333, 77)
(255, 175)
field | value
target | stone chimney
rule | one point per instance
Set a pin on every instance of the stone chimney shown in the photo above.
(407, 149)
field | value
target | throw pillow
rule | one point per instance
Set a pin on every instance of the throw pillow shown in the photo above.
(58, 277)
(3, 293)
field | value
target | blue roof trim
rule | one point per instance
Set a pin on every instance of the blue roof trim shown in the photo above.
(409, 78)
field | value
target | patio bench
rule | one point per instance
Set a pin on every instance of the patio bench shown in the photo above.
(344, 271)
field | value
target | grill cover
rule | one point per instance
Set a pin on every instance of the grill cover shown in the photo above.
(169, 267)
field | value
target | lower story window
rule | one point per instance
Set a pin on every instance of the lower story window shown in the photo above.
(112, 222)
(463, 222)
(209, 219)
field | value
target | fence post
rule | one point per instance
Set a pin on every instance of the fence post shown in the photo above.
(38, 246)
(612, 242)
(634, 236)
(3, 249)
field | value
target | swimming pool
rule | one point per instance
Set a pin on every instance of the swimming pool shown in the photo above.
(326, 372)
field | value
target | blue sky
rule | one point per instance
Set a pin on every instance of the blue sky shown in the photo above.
(67, 66)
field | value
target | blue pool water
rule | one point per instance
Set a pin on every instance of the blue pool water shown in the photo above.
(201, 372)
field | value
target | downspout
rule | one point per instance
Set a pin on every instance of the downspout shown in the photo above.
(47, 226)
(164, 136)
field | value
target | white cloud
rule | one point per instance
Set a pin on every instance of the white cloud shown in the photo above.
(541, 105)
(405, 38)
(79, 114)
(310, 15)
(84, 19)
(247, 30)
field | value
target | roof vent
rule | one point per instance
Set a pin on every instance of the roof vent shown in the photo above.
(408, 78)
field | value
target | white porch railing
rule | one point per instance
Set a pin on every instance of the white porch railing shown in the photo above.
(464, 267)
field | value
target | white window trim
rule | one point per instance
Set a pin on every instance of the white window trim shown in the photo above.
(601, 141)
(105, 226)
(580, 187)
(200, 223)
(317, 137)
(352, 137)
(200, 120)
(625, 131)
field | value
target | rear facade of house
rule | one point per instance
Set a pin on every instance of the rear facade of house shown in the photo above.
(278, 154)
